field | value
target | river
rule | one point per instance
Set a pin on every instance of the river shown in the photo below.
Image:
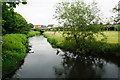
(47, 62)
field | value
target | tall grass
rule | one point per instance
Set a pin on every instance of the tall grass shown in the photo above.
(13, 52)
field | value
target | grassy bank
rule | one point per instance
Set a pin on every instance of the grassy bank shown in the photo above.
(14, 49)
(96, 47)
(33, 33)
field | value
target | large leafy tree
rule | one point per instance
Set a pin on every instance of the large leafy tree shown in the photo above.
(80, 20)
(21, 24)
(9, 23)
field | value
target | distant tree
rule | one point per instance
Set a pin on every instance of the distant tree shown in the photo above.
(117, 27)
(37, 29)
(108, 23)
(31, 25)
(81, 19)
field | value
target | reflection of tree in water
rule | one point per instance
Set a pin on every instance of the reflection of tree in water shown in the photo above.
(82, 67)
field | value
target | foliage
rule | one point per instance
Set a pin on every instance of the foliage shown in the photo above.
(21, 24)
(53, 41)
(12, 22)
(31, 25)
(33, 33)
(13, 51)
(44, 35)
(115, 10)
(80, 20)
(117, 27)
(16, 2)
(37, 29)
(94, 47)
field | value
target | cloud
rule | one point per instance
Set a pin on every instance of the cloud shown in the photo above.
(41, 11)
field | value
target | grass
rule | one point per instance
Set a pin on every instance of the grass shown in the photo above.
(58, 35)
(14, 47)
(112, 36)
(94, 47)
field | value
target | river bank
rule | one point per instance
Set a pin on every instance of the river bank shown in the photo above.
(47, 62)
(14, 49)
(51, 58)
(109, 48)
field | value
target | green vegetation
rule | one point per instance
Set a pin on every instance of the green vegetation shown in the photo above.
(40, 30)
(112, 36)
(14, 51)
(33, 33)
(117, 27)
(116, 10)
(37, 29)
(81, 24)
(15, 30)
(12, 22)
(94, 47)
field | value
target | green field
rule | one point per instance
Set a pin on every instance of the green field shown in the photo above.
(112, 36)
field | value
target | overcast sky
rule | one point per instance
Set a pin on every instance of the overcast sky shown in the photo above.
(40, 12)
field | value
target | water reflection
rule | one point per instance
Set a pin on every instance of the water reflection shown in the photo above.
(48, 62)
(85, 67)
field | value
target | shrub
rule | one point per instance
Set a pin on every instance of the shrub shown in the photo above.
(87, 46)
(13, 51)
(33, 33)
(53, 41)
(117, 27)
(45, 35)
(37, 29)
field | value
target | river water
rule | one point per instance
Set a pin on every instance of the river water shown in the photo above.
(47, 62)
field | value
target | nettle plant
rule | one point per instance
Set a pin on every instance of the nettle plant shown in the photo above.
(81, 21)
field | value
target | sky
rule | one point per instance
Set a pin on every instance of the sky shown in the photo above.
(40, 12)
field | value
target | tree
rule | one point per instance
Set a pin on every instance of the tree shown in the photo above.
(8, 16)
(31, 25)
(21, 24)
(82, 21)
(115, 10)
(117, 27)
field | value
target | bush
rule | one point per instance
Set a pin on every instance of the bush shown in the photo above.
(33, 33)
(13, 51)
(37, 29)
(45, 35)
(91, 47)
(117, 27)
(53, 41)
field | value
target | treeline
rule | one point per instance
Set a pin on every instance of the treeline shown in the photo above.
(13, 22)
